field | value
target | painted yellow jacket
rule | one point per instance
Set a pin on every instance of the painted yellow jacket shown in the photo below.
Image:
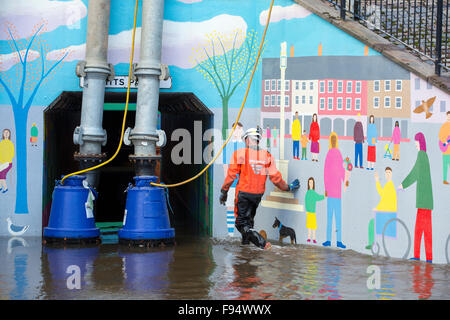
(6, 151)
(296, 130)
(444, 133)
(388, 196)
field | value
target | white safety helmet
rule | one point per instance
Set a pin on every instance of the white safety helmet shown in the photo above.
(254, 133)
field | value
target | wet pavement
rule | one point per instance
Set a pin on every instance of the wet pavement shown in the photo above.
(205, 268)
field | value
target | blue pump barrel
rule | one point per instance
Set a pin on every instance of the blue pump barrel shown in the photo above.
(146, 216)
(69, 216)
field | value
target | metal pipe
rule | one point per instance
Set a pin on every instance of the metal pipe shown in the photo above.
(144, 136)
(95, 69)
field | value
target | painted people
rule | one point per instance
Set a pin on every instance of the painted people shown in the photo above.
(305, 141)
(314, 137)
(311, 198)
(296, 132)
(334, 177)
(234, 144)
(385, 210)
(275, 136)
(268, 137)
(372, 139)
(421, 175)
(34, 135)
(444, 143)
(358, 138)
(396, 137)
(6, 157)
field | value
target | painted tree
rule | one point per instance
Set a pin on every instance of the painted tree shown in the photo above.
(32, 71)
(226, 61)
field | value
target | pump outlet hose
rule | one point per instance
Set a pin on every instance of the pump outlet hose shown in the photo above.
(126, 107)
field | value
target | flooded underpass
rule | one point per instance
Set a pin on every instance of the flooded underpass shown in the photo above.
(201, 268)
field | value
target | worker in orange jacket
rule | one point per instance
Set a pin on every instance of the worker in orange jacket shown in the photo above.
(253, 165)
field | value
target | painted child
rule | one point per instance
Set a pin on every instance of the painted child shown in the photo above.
(304, 141)
(311, 198)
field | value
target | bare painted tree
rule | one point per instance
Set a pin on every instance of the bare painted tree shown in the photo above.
(226, 62)
(32, 72)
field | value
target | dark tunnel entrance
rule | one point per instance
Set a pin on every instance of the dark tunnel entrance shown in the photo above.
(190, 203)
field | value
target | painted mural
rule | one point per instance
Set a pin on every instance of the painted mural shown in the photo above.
(367, 139)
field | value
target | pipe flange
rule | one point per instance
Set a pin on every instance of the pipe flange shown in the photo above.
(135, 158)
(89, 157)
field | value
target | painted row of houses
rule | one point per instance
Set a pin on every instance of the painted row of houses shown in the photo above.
(338, 88)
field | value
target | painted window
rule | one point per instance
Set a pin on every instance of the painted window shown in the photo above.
(322, 86)
(376, 86)
(387, 102)
(348, 105)
(357, 104)
(274, 102)
(340, 86)
(330, 103)
(322, 104)
(376, 102)
(286, 85)
(311, 85)
(349, 86)
(330, 86)
(286, 100)
(358, 87)
(297, 85)
(303, 99)
(339, 104)
(278, 85)
(398, 85)
(398, 102)
(278, 100)
(297, 99)
(443, 106)
(429, 86)
(267, 85)
(266, 100)
(303, 85)
(274, 85)
(311, 100)
(417, 84)
(387, 85)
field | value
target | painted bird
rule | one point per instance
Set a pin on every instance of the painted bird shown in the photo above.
(425, 107)
(16, 230)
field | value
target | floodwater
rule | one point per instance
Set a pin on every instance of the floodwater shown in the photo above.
(206, 268)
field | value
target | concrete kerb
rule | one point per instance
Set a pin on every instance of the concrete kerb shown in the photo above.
(397, 54)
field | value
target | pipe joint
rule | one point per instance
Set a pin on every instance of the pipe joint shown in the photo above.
(81, 135)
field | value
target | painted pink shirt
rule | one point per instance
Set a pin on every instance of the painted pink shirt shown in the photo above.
(396, 136)
(334, 173)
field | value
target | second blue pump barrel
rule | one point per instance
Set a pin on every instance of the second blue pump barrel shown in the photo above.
(146, 215)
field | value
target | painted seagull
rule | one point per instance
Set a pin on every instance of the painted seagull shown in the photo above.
(425, 107)
(16, 230)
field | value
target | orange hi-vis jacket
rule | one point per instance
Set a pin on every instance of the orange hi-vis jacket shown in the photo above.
(253, 166)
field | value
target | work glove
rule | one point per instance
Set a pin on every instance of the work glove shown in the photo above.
(223, 197)
(294, 185)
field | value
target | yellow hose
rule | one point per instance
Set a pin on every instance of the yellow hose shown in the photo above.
(126, 107)
(237, 119)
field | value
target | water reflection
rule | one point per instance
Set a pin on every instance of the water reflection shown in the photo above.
(422, 279)
(204, 268)
(57, 262)
(145, 270)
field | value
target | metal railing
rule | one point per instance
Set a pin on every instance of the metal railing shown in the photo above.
(420, 25)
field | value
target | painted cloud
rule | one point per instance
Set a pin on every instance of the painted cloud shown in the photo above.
(7, 61)
(24, 15)
(283, 13)
(179, 40)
